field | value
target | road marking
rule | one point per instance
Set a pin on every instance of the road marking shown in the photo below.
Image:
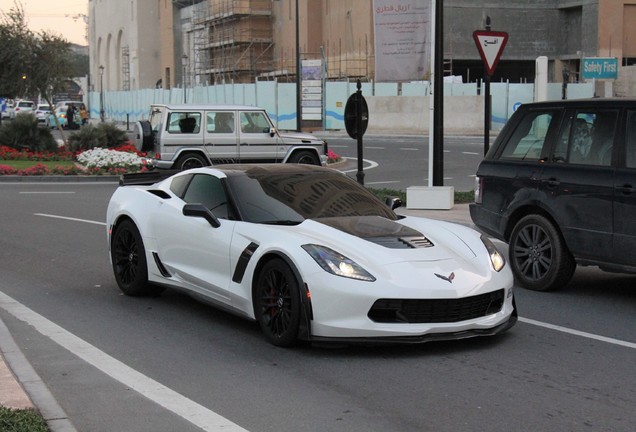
(375, 148)
(579, 333)
(165, 397)
(43, 192)
(471, 153)
(370, 162)
(70, 218)
(409, 149)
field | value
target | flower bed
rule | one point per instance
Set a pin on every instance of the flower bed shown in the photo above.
(97, 161)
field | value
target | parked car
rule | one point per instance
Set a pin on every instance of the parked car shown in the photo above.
(22, 107)
(559, 184)
(6, 113)
(61, 109)
(190, 136)
(308, 253)
(42, 112)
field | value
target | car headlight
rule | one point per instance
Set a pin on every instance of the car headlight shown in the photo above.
(496, 259)
(337, 264)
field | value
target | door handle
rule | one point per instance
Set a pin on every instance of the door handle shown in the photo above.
(626, 189)
(552, 182)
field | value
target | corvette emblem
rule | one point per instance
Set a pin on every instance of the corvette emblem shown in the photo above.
(448, 278)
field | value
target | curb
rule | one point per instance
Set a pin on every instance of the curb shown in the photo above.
(16, 369)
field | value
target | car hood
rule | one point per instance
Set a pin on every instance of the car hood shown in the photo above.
(384, 241)
(303, 137)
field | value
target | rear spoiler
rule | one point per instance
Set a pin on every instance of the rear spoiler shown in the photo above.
(145, 178)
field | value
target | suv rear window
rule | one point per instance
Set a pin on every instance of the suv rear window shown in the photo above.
(528, 139)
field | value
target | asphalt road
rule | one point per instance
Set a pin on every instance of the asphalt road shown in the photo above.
(398, 162)
(169, 363)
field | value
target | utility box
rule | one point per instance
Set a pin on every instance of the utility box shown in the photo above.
(430, 197)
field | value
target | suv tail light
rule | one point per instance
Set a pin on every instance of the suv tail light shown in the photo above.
(479, 184)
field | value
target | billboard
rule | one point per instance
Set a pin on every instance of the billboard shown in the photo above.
(402, 39)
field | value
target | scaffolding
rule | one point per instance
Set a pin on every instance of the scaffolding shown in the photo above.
(125, 68)
(231, 38)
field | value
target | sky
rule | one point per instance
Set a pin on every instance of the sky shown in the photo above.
(56, 16)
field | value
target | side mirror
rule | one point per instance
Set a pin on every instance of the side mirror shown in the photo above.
(199, 210)
(272, 132)
(393, 202)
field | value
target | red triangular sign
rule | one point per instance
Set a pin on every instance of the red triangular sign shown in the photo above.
(490, 45)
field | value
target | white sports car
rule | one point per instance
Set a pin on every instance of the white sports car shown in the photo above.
(308, 253)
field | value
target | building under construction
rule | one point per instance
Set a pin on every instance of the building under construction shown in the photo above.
(224, 41)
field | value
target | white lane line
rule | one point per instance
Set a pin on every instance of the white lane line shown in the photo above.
(165, 397)
(370, 163)
(44, 192)
(70, 218)
(374, 148)
(471, 153)
(409, 149)
(579, 333)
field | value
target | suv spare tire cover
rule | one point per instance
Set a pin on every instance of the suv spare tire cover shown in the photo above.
(144, 140)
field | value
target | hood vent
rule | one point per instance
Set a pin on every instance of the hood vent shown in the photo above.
(390, 242)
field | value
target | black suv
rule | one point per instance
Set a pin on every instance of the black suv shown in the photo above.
(559, 185)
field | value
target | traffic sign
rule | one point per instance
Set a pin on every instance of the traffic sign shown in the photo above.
(351, 115)
(490, 45)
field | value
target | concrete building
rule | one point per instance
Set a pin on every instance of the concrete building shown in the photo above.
(176, 43)
(125, 51)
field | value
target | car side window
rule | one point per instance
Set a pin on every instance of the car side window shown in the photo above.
(208, 190)
(630, 140)
(588, 139)
(184, 122)
(254, 122)
(528, 139)
(220, 122)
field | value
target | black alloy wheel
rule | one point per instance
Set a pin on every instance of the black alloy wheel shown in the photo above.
(538, 255)
(129, 261)
(277, 303)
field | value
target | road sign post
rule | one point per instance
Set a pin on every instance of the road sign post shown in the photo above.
(490, 45)
(356, 122)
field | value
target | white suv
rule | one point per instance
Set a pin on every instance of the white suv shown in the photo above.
(189, 136)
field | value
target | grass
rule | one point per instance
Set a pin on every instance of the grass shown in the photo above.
(21, 420)
(23, 164)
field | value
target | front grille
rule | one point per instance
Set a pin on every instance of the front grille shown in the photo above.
(413, 311)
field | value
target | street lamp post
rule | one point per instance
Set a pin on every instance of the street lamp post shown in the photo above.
(184, 62)
(101, 94)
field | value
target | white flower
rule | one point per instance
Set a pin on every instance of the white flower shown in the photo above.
(100, 158)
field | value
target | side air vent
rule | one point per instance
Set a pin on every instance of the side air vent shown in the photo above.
(159, 193)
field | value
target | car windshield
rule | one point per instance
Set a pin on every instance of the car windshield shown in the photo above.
(290, 198)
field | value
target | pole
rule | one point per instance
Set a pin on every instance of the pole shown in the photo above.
(359, 133)
(487, 102)
(298, 71)
(102, 116)
(487, 113)
(438, 97)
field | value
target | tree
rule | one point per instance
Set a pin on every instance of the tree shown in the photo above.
(32, 64)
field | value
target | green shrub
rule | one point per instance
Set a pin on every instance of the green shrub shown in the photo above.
(106, 135)
(23, 133)
(15, 420)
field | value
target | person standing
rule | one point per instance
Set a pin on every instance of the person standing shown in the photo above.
(70, 116)
(83, 114)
